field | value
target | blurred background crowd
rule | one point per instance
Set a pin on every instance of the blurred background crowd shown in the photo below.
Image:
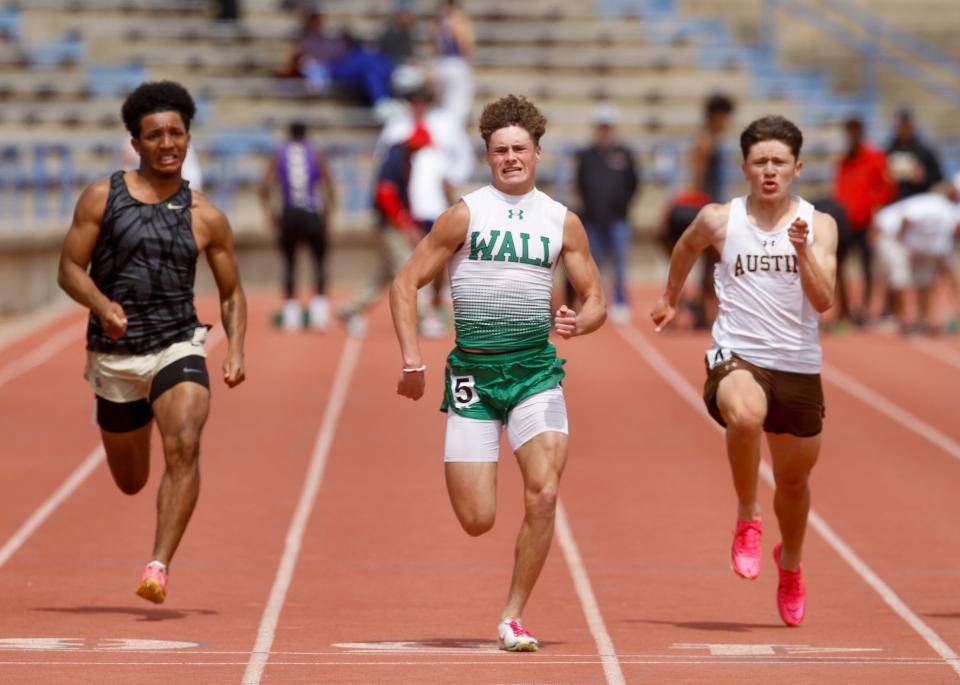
(645, 100)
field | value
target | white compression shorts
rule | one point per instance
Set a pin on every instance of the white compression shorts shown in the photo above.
(479, 440)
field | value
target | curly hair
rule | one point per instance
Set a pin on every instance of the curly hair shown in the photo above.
(512, 110)
(772, 127)
(151, 97)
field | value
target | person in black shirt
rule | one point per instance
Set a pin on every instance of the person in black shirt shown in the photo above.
(913, 165)
(607, 181)
(140, 233)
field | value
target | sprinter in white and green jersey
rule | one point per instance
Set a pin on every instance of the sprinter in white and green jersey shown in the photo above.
(501, 244)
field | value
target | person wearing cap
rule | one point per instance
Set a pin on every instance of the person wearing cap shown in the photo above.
(607, 181)
(863, 185)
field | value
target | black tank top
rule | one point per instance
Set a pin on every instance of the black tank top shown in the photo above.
(145, 259)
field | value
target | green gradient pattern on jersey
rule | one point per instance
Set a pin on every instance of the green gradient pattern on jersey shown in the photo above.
(501, 314)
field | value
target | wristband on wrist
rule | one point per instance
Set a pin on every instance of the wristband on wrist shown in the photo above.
(407, 369)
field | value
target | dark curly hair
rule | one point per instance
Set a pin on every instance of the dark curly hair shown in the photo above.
(512, 111)
(151, 97)
(772, 127)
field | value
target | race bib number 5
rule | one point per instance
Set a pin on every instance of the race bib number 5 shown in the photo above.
(464, 391)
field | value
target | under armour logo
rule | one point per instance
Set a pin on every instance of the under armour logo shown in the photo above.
(770, 242)
(519, 213)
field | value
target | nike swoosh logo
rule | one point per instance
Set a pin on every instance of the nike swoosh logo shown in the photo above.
(170, 205)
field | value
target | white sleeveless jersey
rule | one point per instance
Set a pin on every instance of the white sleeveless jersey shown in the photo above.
(764, 316)
(501, 278)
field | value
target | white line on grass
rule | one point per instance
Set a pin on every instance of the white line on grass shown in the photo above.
(294, 539)
(673, 378)
(588, 601)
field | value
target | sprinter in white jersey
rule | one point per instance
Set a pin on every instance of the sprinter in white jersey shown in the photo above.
(776, 276)
(501, 244)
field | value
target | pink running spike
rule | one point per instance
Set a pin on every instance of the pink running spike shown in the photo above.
(745, 552)
(791, 594)
(153, 584)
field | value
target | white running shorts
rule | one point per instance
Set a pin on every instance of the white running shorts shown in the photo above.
(479, 440)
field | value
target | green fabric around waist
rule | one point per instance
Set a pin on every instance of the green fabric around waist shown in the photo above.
(499, 381)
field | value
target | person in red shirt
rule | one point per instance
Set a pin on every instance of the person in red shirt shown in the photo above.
(863, 185)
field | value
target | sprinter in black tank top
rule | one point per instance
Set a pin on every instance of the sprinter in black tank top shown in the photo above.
(140, 234)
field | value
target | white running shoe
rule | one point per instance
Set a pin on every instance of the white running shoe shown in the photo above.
(292, 320)
(319, 313)
(513, 637)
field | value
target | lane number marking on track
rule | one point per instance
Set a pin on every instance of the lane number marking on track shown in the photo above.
(741, 649)
(424, 647)
(106, 644)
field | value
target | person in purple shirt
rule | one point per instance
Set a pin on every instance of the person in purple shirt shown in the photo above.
(301, 174)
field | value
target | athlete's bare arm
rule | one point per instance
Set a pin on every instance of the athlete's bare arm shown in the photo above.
(215, 238)
(431, 255)
(817, 263)
(708, 228)
(75, 257)
(583, 275)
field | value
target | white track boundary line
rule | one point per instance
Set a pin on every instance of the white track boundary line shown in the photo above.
(40, 354)
(75, 479)
(673, 378)
(298, 525)
(892, 410)
(588, 601)
(43, 512)
(20, 327)
(939, 351)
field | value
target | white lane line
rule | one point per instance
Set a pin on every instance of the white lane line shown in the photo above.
(588, 601)
(43, 512)
(21, 326)
(298, 525)
(673, 378)
(41, 354)
(944, 353)
(73, 481)
(891, 410)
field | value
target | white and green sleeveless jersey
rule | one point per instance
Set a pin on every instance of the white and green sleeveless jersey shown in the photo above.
(501, 278)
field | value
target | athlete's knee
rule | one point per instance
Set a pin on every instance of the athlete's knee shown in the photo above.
(541, 500)
(794, 483)
(130, 485)
(476, 523)
(182, 448)
(744, 417)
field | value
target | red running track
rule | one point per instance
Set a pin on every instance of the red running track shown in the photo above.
(323, 549)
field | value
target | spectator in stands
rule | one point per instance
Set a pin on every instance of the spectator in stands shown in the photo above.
(301, 174)
(398, 40)
(453, 71)
(707, 184)
(607, 180)
(399, 231)
(325, 59)
(913, 165)
(915, 243)
(863, 185)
